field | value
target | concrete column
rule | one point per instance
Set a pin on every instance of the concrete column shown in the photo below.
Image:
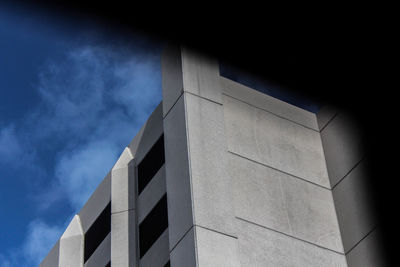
(123, 212)
(200, 204)
(72, 245)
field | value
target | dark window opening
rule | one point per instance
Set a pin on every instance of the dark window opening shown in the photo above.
(167, 264)
(108, 264)
(153, 226)
(98, 231)
(151, 163)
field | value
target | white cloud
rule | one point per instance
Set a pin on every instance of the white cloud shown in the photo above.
(10, 147)
(40, 239)
(92, 104)
(80, 171)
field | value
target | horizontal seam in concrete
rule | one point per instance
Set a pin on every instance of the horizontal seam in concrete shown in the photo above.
(356, 244)
(173, 105)
(355, 165)
(122, 211)
(279, 116)
(329, 121)
(180, 239)
(265, 165)
(232, 236)
(215, 102)
(196, 225)
(305, 241)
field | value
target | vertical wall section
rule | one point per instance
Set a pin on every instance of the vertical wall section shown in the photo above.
(347, 166)
(201, 216)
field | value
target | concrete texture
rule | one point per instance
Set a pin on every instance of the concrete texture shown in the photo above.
(172, 80)
(268, 103)
(354, 207)
(200, 75)
(280, 202)
(121, 185)
(158, 254)
(247, 182)
(178, 184)
(216, 249)
(123, 234)
(211, 184)
(184, 253)
(72, 245)
(368, 253)
(152, 193)
(276, 142)
(96, 203)
(342, 146)
(101, 255)
(260, 247)
(120, 189)
(325, 115)
(51, 260)
(153, 129)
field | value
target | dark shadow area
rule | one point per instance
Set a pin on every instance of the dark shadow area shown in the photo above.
(155, 223)
(263, 86)
(151, 163)
(97, 232)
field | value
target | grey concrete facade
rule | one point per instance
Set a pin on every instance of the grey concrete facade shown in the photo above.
(249, 180)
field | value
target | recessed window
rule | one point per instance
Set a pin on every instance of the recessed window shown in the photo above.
(98, 231)
(109, 264)
(167, 264)
(153, 225)
(150, 164)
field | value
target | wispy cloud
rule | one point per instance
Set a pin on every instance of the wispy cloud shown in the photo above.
(92, 104)
(10, 147)
(41, 237)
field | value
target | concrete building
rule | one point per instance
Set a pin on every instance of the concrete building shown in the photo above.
(223, 175)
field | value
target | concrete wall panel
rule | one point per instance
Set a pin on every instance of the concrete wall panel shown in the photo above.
(153, 129)
(216, 249)
(368, 253)
(325, 115)
(51, 260)
(268, 103)
(177, 173)
(276, 142)
(354, 207)
(278, 201)
(184, 253)
(211, 184)
(158, 254)
(152, 193)
(96, 203)
(201, 75)
(342, 146)
(260, 247)
(172, 81)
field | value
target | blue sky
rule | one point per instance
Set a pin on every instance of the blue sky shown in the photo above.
(73, 95)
